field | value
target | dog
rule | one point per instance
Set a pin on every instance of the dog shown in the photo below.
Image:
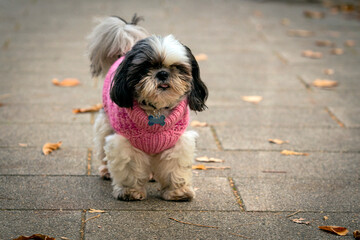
(151, 83)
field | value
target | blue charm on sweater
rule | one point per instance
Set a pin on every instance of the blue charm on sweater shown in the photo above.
(156, 120)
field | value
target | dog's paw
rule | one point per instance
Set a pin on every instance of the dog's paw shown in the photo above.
(129, 194)
(104, 172)
(185, 193)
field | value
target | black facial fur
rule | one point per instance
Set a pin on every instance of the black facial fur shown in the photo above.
(199, 92)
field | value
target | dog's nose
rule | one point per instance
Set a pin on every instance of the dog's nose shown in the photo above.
(162, 75)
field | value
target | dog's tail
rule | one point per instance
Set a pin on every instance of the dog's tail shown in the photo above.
(111, 38)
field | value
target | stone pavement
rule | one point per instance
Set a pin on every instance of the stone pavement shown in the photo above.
(249, 52)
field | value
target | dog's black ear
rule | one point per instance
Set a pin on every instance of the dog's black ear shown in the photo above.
(122, 89)
(199, 91)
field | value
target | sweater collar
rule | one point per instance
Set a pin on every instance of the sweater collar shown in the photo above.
(140, 118)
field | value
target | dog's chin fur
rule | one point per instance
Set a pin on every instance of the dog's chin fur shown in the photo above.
(137, 78)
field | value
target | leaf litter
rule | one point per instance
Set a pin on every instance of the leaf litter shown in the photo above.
(94, 108)
(289, 152)
(50, 147)
(252, 99)
(203, 167)
(342, 231)
(324, 83)
(277, 141)
(207, 159)
(197, 123)
(67, 82)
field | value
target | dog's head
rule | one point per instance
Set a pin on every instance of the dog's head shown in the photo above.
(158, 73)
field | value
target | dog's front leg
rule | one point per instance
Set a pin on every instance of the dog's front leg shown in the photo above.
(128, 167)
(172, 169)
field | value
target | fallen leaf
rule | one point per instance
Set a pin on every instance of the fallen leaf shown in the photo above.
(203, 167)
(285, 21)
(207, 159)
(35, 237)
(95, 211)
(252, 99)
(1, 104)
(277, 141)
(201, 57)
(350, 43)
(335, 229)
(196, 123)
(324, 43)
(97, 216)
(93, 108)
(300, 33)
(311, 54)
(49, 147)
(324, 83)
(326, 218)
(356, 234)
(64, 238)
(23, 144)
(337, 51)
(314, 14)
(67, 82)
(289, 152)
(300, 221)
(329, 71)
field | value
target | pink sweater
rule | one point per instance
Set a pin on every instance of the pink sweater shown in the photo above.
(133, 123)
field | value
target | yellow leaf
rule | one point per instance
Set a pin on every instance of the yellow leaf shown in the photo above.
(94, 108)
(49, 147)
(199, 167)
(289, 152)
(277, 141)
(196, 123)
(335, 229)
(337, 51)
(67, 82)
(325, 83)
(207, 159)
(95, 211)
(201, 57)
(252, 99)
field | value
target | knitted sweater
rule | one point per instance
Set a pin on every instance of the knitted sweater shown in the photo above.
(132, 123)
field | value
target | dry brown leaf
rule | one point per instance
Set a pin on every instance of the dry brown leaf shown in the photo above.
(203, 167)
(67, 82)
(300, 221)
(350, 43)
(311, 54)
(49, 147)
(342, 231)
(314, 14)
(326, 218)
(201, 57)
(95, 211)
(289, 152)
(35, 237)
(337, 51)
(252, 99)
(285, 21)
(356, 234)
(324, 83)
(207, 159)
(1, 104)
(329, 71)
(93, 108)
(196, 123)
(277, 141)
(300, 33)
(324, 43)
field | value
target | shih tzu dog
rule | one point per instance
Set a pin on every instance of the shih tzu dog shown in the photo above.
(150, 84)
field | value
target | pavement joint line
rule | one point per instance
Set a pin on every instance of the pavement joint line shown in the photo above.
(216, 138)
(83, 224)
(333, 117)
(306, 85)
(236, 194)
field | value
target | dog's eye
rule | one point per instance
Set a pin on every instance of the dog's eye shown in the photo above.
(182, 68)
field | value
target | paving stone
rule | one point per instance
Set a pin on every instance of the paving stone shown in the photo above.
(231, 225)
(300, 139)
(56, 224)
(263, 164)
(34, 192)
(31, 161)
(72, 135)
(307, 194)
(257, 115)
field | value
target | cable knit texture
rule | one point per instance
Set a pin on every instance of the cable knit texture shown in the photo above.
(133, 123)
